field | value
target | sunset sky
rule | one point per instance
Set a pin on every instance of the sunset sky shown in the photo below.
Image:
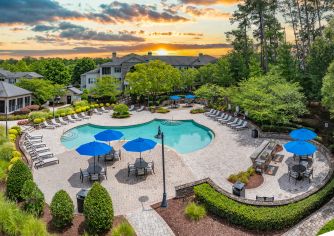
(77, 28)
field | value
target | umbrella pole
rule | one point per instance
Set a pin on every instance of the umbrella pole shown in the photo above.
(94, 164)
(140, 156)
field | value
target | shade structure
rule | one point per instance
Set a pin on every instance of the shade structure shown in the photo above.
(303, 134)
(108, 135)
(139, 145)
(190, 96)
(94, 149)
(174, 98)
(300, 148)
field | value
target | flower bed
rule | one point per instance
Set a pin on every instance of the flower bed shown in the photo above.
(261, 218)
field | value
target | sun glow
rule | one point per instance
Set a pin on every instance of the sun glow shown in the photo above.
(162, 52)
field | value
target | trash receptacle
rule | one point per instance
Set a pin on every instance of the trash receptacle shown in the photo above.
(238, 189)
(255, 133)
(81, 195)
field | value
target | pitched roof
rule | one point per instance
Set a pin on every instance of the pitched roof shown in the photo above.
(5, 73)
(91, 71)
(8, 74)
(74, 90)
(9, 90)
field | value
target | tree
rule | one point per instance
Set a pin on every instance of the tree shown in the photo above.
(82, 66)
(270, 99)
(106, 88)
(327, 90)
(56, 71)
(153, 78)
(188, 78)
(214, 94)
(286, 64)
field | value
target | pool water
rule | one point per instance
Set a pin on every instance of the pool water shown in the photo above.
(183, 136)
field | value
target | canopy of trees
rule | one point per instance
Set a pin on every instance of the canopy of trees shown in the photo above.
(328, 90)
(106, 89)
(82, 66)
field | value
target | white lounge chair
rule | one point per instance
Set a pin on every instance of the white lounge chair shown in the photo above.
(70, 119)
(47, 126)
(29, 136)
(46, 161)
(141, 109)
(35, 145)
(61, 120)
(41, 149)
(221, 115)
(228, 119)
(236, 120)
(209, 112)
(97, 112)
(84, 116)
(240, 122)
(55, 123)
(243, 126)
(76, 117)
(222, 118)
(39, 156)
(104, 110)
(132, 108)
(214, 114)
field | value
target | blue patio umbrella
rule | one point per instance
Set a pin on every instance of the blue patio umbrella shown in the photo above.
(108, 135)
(175, 98)
(139, 145)
(300, 148)
(93, 149)
(190, 96)
(303, 134)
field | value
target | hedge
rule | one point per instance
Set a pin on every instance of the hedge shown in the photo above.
(261, 218)
(329, 226)
(98, 210)
(62, 209)
(17, 176)
(33, 198)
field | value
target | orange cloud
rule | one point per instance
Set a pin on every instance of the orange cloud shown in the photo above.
(209, 12)
(210, 2)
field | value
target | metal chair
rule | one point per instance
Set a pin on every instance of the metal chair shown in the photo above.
(117, 155)
(83, 174)
(95, 177)
(307, 174)
(131, 168)
(104, 172)
(150, 167)
(293, 175)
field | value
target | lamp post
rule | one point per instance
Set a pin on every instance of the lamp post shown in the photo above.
(6, 110)
(160, 135)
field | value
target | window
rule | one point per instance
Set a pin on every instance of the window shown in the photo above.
(2, 106)
(91, 80)
(27, 101)
(19, 103)
(106, 71)
(118, 69)
(12, 105)
(12, 81)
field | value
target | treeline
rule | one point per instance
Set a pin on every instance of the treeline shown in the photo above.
(57, 70)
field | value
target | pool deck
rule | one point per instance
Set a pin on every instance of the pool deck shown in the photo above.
(228, 153)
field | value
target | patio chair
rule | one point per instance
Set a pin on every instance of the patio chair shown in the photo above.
(240, 122)
(218, 115)
(84, 116)
(308, 174)
(227, 119)
(293, 175)
(304, 163)
(94, 177)
(213, 115)
(76, 117)
(209, 112)
(243, 126)
(235, 121)
(224, 116)
(46, 161)
(104, 172)
(70, 119)
(117, 155)
(141, 109)
(31, 137)
(61, 121)
(140, 171)
(150, 167)
(131, 168)
(55, 123)
(109, 157)
(34, 145)
(47, 126)
(33, 141)
(104, 110)
(39, 150)
(40, 156)
(83, 174)
(97, 112)
(132, 108)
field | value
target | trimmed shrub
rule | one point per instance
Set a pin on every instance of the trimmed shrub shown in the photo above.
(23, 111)
(123, 229)
(62, 209)
(15, 159)
(81, 103)
(98, 210)
(3, 169)
(162, 110)
(38, 115)
(194, 211)
(329, 226)
(33, 198)
(261, 218)
(14, 222)
(16, 153)
(6, 151)
(23, 122)
(37, 121)
(17, 128)
(121, 111)
(33, 107)
(242, 176)
(17, 176)
(13, 131)
(12, 138)
(197, 111)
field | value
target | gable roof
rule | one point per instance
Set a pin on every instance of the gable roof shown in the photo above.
(8, 74)
(92, 71)
(75, 90)
(9, 90)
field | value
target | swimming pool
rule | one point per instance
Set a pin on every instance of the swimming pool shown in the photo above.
(183, 136)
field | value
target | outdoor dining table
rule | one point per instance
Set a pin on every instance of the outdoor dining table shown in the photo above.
(299, 169)
(91, 170)
(140, 164)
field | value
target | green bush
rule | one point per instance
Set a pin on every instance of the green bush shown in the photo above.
(329, 226)
(98, 210)
(33, 198)
(17, 176)
(13, 131)
(197, 111)
(123, 229)
(118, 116)
(79, 104)
(14, 222)
(194, 211)
(38, 120)
(3, 169)
(14, 117)
(6, 151)
(242, 176)
(18, 129)
(121, 111)
(38, 115)
(162, 110)
(62, 209)
(261, 218)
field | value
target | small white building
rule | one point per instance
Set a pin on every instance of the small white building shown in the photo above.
(14, 77)
(72, 94)
(13, 98)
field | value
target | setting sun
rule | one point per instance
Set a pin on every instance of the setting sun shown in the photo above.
(162, 52)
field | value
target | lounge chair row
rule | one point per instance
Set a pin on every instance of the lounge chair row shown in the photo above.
(39, 152)
(227, 119)
(58, 122)
(133, 108)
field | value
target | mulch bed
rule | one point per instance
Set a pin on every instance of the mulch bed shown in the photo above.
(78, 225)
(209, 225)
(255, 181)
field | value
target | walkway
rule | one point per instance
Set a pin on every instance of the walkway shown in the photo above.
(147, 222)
(311, 225)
